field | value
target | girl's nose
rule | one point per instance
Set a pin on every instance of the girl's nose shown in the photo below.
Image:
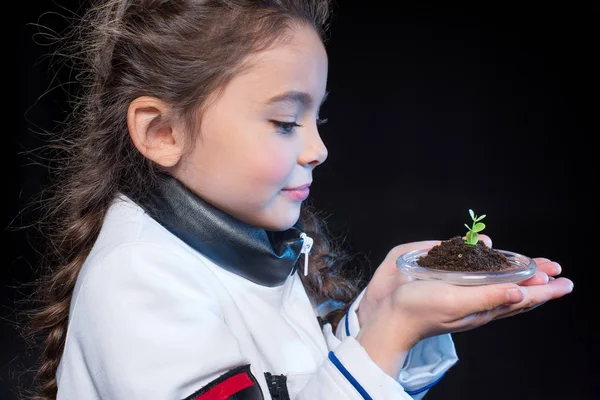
(314, 152)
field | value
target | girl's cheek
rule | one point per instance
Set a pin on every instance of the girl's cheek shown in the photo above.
(275, 167)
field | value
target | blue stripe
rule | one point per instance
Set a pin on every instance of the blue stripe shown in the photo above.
(349, 376)
(432, 384)
(347, 326)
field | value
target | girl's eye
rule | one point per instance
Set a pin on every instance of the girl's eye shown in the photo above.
(286, 127)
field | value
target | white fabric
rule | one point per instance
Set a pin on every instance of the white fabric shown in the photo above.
(426, 363)
(151, 318)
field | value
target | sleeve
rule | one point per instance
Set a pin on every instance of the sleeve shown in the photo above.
(425, 364)
(149, 328)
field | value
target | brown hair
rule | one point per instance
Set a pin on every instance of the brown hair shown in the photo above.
(126, 49)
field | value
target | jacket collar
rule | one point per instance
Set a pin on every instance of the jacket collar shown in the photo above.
(264, 257)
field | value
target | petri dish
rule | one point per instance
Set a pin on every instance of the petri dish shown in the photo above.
(521, 268)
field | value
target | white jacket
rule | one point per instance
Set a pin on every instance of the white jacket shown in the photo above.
(153, 319)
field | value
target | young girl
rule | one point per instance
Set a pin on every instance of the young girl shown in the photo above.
(181, 265)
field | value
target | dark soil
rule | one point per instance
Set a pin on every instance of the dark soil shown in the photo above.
(456, 255)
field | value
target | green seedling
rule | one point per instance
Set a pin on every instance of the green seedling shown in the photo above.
(473, 234)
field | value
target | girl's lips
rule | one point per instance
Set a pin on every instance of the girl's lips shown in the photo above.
(299, 187)
(297, 194)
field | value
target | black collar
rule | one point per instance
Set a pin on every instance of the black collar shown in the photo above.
(261, 256)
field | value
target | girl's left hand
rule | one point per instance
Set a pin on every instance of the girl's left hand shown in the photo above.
(387, 277)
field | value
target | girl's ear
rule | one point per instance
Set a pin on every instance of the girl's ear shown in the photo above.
(153, 133)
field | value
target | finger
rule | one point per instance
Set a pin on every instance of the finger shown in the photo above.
(486, 240)
(539, 278)
(467, 300)
(535, 296)
(555, 289)
(551, 268)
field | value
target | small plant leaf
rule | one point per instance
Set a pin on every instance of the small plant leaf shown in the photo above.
(471, 238)
(472, 214)
(480, 218)
(478, 227)
(468, 237)
(468, 227)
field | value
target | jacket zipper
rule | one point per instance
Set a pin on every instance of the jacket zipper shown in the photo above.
(306, 246)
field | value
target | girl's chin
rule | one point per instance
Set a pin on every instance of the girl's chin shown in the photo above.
(283, 221)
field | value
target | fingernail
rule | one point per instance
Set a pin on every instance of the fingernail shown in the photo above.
(514, 295)
(546, 278)
(558, 269)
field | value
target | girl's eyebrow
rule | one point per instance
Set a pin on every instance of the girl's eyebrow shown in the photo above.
(294, 97)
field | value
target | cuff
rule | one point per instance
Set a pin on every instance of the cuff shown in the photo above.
(427, 363)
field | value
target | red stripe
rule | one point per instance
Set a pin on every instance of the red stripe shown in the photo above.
(227, 388)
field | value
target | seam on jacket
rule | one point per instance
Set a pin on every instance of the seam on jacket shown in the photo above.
(349, 376)
(347, 323)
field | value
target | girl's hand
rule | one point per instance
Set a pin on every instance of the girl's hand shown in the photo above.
(397, 312)
(387, 277)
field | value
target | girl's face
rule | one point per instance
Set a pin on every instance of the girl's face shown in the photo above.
(259, 138)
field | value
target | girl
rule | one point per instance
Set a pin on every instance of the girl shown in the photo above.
(181, 265)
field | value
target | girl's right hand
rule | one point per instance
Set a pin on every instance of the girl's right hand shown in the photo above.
(420, 309)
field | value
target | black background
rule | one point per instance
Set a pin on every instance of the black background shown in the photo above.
(433, 110)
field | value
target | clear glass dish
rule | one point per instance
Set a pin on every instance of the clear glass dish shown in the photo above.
(522, 268)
